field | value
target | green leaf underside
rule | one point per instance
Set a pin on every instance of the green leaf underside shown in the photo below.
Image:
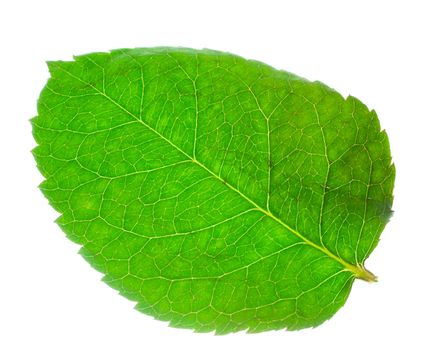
(218, 193)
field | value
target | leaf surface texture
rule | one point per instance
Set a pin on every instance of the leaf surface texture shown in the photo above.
(218, 193)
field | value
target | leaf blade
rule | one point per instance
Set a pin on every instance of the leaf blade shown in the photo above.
(214, 136)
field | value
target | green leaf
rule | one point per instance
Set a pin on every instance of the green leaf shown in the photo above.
(218, 193)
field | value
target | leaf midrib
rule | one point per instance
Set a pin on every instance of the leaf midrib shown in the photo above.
(357, 270)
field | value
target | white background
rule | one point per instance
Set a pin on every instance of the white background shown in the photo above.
(379, 51)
